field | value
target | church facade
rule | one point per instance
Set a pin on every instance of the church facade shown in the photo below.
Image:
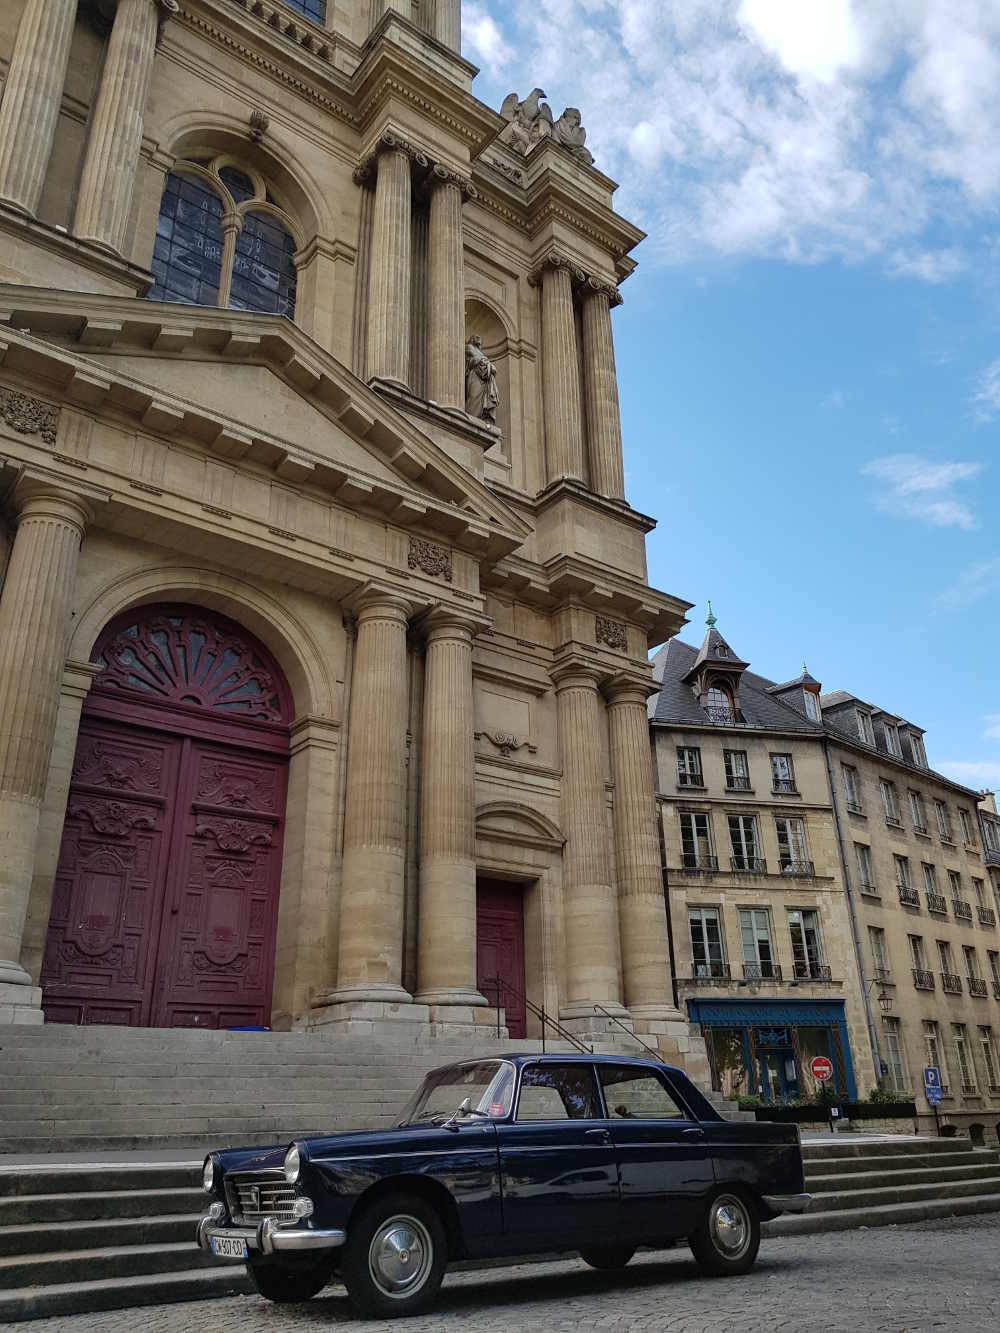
(324, 619)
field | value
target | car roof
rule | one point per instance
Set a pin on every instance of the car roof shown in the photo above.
(520, 1058)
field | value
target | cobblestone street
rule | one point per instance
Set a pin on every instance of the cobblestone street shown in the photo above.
(934, 1275)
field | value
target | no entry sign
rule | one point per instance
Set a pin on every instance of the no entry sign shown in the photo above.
(821, 1068)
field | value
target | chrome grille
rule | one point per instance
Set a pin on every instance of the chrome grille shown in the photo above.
(252, 1198)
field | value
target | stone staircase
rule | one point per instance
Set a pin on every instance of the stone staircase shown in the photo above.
(877, 1182)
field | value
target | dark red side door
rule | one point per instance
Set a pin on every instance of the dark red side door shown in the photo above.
(500, 949)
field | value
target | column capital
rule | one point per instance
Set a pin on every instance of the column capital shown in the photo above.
(377, 599)
(624, 689)
(388, 142)
(38, 500)
(589, 284)
(576, 675)
(448, 622)
(442, 175)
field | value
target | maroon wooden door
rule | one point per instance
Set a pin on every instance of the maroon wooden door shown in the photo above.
(165, 904)
(500, 948)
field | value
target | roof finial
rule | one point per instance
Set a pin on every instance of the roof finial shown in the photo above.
(710, 618)
(805, 669)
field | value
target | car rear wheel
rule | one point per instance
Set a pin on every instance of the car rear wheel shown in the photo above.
(395, 1257)
(728, 1237)
(287, 1285)
(610, 1258)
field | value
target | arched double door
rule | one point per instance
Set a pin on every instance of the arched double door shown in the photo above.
(165, 903)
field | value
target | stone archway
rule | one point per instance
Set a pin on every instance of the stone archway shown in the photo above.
(164, 910)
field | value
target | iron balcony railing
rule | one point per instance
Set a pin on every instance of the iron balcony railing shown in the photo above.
(977, 986)
(922, 979)
(870, 891)
(785, 786)
(693, 862)
(711, 972)
(951, 983)
(962, 911)
(996, 989)
(690, 780)
(919, 828)
(805, 971)
(761, 972)
(738, 784)
(883, 974)
(748, 865)
(969, 1090)
(907, 896)
(855, 807)
(937, 902)
(894, 821)
(993, 856)
(947, 839)
(790, 867)
(987, 916)
(722, 717)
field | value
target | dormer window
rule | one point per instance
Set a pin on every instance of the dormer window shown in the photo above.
(719, 706)
(813, 710)
(891, 739)
(917, 748)
(864, 725)
(722, 651)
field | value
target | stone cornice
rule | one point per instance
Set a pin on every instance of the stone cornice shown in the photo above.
(79, 253)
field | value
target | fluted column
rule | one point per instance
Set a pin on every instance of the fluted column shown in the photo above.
(32, 96)
(112, 156)
(446, 941)
(448, 23)
(604, 427)
(642, 907)
(371, 897)
(561, 376)
(446, 293)
(590, 912)
(389, 283)
(34, 631)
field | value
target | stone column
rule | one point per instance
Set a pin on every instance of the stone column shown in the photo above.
(446, 293)
(642, 907)
(112, 156)
(604, 427)
(448, 23)
(590, 912)
(34, 631)
(446, 940)
(32, 96)
(561, 376)
(389, 283)
(371, 895)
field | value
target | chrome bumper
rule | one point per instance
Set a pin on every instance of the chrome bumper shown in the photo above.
(271, 1237)
(787, 1203)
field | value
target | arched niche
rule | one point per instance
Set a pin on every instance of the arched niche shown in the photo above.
(482, 319)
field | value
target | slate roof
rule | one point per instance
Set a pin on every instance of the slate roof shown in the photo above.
(710, 652)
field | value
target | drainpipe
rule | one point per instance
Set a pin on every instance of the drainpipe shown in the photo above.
(855, 932)
(666, 903)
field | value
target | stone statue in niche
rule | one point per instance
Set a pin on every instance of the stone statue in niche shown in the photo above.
(482, 397)
(571, 134)
(531, 120)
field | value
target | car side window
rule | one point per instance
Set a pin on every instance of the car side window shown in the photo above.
(558, 1092)
(637, 1094)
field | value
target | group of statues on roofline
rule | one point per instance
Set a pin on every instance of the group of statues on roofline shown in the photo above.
(531, 121)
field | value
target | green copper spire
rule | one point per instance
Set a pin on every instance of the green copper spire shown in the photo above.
(710, 618)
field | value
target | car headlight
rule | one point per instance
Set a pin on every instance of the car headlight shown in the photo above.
(292, 1164)
(208, 1175)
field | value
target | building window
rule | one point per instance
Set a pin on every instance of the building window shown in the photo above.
(917, 958)
(851, 792)
(966, 1068)
(943, 821)
(864, 725)
(889, 805)
(755, 937)
(707, 956)
(979, 888)
(696, 842)
(793, 855)
(934, 1052)
(880, 959)
(744, 843)
(803, 926)
(930, 878)
(894, 1054)
(719, 705)
(988, 1047)
(782, 773)
(917, 812)
(955, 884)
(891, 739)
(992, 830)
(863, 852)
(737, 770)
(944, 955)
(902, 864)
(813, 710)
(312, 9)
(971, 963)
(917, 746)
(689, 768)
(994, 961)
(222, 241)
(965, 825)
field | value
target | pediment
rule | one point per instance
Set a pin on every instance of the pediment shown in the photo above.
(514, 822)
(191, 371)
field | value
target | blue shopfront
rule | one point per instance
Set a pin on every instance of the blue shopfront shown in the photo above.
(764, 1048)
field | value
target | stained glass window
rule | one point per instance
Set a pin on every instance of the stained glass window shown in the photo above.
(187, 255)
(312, 9)
(264, 267)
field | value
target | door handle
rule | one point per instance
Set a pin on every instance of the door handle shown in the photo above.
(692, 1133)
(604, 1134)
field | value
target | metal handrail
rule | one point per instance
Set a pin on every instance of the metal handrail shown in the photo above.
(651, 1050)
(539, 1012)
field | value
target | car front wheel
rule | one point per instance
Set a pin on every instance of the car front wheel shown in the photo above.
(288, 1285)
(395, 1257)
(614, 1257)
(728, 1237)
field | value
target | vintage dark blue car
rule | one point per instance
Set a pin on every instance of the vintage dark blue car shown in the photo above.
(509, 1156)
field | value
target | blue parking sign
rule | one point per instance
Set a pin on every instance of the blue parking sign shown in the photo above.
(932, 1084)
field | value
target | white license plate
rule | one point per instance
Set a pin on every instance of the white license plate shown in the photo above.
(228, 1247)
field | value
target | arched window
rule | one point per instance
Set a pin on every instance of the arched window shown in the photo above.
(222, 240)
(719, 703)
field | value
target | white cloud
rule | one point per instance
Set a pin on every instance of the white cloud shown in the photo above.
(986, 399)
(978, 774)
(801, 129)
(919, 488)
(978, 580)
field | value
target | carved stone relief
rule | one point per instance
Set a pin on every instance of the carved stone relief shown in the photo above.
(29, 416)
(432, 559)
(612, 633)
(507, 743)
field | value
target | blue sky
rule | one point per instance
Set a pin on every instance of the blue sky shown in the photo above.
(809, 353)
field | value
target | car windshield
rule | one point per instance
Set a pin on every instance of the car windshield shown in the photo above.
(488, 1084)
